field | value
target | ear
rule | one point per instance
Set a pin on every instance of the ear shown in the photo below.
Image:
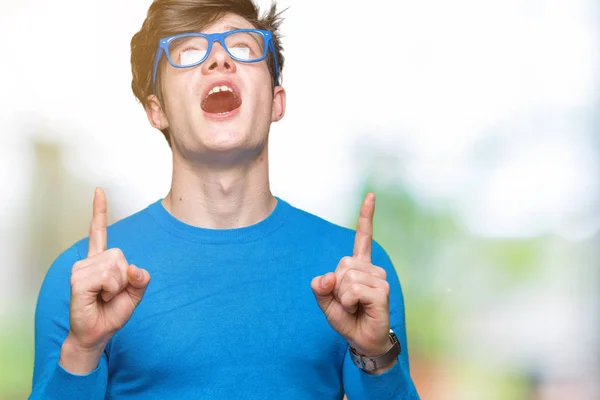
(278, 109)
(155, 113)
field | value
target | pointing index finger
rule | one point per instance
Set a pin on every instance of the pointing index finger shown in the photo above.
(97, 240)
(364, 230)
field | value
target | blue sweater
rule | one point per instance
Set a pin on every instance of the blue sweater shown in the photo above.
(228, 314)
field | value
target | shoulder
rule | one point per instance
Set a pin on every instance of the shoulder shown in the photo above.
(304, 221)
(331, 235)
(127, 229)
(135, 227)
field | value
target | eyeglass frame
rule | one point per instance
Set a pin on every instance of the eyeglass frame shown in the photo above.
(163, 47)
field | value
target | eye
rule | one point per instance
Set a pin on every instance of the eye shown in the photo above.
(245, 45)
(190, 55)
(188, 50)
(240, 51)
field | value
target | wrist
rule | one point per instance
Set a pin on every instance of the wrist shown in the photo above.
(374, 349)
(77, 359)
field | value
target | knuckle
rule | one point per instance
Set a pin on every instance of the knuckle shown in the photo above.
(353, 275)
(385, 286)
(112, 267)
(114, 274)
(106, 275)
(118, 280)
(78, 288)
(355, 289)
(346, 300)
(346, 262)
(116, 253)
(110, 281)
(77, 266)
(76, 278)
(381, 272)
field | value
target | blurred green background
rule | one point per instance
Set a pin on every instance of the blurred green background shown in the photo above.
(478, 130)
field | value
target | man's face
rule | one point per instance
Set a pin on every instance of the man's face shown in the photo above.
(221, 109)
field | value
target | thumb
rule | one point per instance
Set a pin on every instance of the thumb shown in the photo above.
(322, 287)
(138, 281)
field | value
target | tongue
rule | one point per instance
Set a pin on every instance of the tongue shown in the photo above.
(221, 102)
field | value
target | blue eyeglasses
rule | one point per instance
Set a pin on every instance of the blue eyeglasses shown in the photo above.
(187, 50)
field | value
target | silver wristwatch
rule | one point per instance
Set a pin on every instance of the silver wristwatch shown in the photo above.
(371, 364)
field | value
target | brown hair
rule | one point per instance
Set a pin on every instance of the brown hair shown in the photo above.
(170, 17)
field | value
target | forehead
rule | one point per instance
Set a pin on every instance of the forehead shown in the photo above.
(227, 23)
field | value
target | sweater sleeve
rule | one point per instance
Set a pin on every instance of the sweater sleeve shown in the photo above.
(50, 380)
(396, 383)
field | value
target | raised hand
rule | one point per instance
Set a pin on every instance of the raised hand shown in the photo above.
(105, 290)
(355, 298)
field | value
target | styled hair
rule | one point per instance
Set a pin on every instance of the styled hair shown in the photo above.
(171, 17)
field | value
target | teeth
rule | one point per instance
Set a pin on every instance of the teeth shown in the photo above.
(218, 89)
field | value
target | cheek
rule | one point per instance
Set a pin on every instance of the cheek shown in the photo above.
(264, 95)
(261, 87)
(178, 85)
(262, 108)
(180, 100)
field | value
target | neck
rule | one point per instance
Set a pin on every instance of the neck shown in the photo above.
(223, 198)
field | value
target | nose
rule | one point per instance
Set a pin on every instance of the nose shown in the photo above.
(218, 60)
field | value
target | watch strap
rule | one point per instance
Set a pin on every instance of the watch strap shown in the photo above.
(371, 364)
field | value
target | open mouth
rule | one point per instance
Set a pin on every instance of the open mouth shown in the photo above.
(221, 100)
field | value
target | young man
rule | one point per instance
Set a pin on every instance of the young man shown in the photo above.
(220, 290)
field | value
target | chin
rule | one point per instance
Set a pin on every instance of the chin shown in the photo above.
(222, 139)
(230, 146)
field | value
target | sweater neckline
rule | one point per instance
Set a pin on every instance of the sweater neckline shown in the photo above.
(244, 234)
